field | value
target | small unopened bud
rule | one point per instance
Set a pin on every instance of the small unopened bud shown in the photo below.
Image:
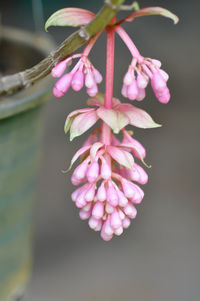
(124, 90)
(93, 172)
(89, 80)
(142, 81)
(93, 222)
(98, 210)
(128, 78)
(97, 76)
(105, 170)
(126, 222)
(101, 193)
(62, 85)
(84, 214)
(130, 210)
(115, 220)
(112, 196)
(104, 235)
(92, 91)
(157, 82)
(89, 196)
(78, 81)
(132, 90)
(59, 69)
(157, 63)
(80, 171)
(141, 94)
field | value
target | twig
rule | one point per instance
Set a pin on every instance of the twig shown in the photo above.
(12, 83)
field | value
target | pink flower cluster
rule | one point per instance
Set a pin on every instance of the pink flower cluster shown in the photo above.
(108, 196)
(82, 74)
(107, 192)
(137, 77)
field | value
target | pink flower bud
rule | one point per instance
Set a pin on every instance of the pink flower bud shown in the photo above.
(157, 82)
(87, 207)
(63, 84)
(104, 235)
(101, 193)
(105, 170)
(138, 174)
(157, 63)
(142, 81)
(118, 231)
(138, 196)
(132, 90)
(130, 210)
(98, 210)
(112, 196)
(80, 171)
(78, 81)
(128, 188)
(93, 222)
(89, 80)
(121, 214)
(98, 226)
(92, 91)
(128, 78)
(81, 202)
(84, 214)
(75, 193)
(123, 201)
(109, 209)
(76, 181)
(59, 69)
(164, 75)
(163, 96)
(107, 227)
(97, 76)
(115, 220)
(93, 172)
(126, 222)
(89, 196)
(124, 90)
(57, 93)
(141, 94)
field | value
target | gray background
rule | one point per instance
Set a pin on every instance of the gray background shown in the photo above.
(157, 258)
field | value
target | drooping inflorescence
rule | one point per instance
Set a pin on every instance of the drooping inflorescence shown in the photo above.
(108, 176)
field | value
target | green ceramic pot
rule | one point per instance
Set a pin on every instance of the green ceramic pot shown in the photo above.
(21, 123)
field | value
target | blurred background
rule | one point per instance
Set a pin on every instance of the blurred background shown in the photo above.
(157, 258)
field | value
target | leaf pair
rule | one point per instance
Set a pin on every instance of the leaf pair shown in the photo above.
(122, 114)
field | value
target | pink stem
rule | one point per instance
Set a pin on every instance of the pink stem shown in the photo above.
(129, 43)
(106, 131)
(109, 68)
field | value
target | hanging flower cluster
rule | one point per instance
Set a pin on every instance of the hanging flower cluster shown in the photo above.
(108, 176)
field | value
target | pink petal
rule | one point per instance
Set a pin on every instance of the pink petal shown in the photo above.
(94, 149)
(121, 156)
(80, 152)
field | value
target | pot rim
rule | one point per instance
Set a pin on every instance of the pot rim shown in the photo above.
(36, 94)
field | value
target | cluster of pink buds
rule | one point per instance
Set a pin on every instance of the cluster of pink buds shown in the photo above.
(137, 77)
(108, 196)
(107, 175)
(83, 73)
